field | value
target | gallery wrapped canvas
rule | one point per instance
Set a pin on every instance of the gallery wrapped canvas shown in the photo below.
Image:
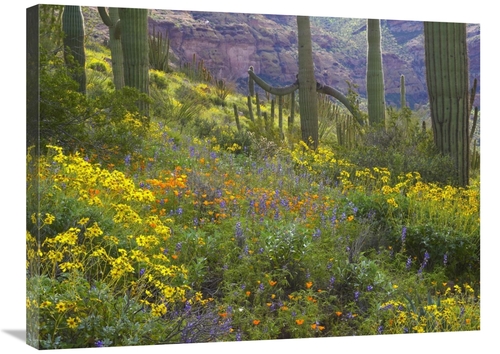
(197, 177)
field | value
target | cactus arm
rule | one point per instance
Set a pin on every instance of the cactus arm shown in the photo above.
(111, 19)
(278, 91)
(325, 89)
(328, 90)
(105, 16)
(251, 85)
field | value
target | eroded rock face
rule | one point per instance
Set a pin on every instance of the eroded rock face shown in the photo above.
(229, 43)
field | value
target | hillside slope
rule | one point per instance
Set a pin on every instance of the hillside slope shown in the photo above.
(229, 43)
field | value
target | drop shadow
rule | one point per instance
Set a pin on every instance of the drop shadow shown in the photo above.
(17, 333)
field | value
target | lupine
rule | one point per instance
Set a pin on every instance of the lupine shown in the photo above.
(99, 344)
(239, 230)
(424, 263)
(408, 263)
(332, 281)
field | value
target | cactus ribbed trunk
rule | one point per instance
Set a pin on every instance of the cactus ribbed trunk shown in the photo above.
(74, 48)
(375, 75)
(402, 91)
(112, 20)
(447, 74)
(307, 85)
(134, 34)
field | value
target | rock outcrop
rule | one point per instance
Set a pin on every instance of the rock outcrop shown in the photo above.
(229, 43)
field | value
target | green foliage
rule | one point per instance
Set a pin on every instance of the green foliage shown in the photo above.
(51, 33)
(63, 109)
(186, 229)
(222, 90)
(402, 151)
(107, 124)
(167, 108)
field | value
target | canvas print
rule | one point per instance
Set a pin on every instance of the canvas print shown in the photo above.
(199, 177)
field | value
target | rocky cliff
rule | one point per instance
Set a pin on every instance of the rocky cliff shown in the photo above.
(229, 43)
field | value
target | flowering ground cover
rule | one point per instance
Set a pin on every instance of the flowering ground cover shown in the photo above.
(183, 228)
(188, 240)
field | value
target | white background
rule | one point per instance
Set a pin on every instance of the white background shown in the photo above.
(12, 172)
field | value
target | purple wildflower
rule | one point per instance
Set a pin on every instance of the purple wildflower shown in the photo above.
(408, 263)
(403, 235)
(424, 262)
(332, 281)
(127, 160)
(99, 344)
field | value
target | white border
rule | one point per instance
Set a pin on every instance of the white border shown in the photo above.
(12, 135)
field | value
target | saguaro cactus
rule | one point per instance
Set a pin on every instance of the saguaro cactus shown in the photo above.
(447, 75)
(134, 34)
(112, 20)
(375, 75)
(402, 91)
(74, 48)
(307, 85)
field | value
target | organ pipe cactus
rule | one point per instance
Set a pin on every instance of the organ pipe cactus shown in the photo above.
(375, 75)
(112, 20)
(159, 50)
(447, 75)
(74, 48)
(134, 35)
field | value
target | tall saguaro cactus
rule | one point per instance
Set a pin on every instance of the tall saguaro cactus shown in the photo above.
(402, 91)
(74, 48)
(112, 20)
(308, 88)
(375, 75)
(135, 46)
(447, 75)
(307, 85)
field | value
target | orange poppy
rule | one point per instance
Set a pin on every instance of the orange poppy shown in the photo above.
(299, 322)
(315, 326)
(338, 313)
(272, 283)
(255, 322)
(309, 284)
